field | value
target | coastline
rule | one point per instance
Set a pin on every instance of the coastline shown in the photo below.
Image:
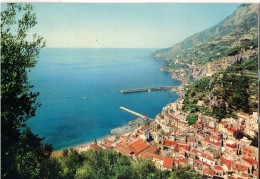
(115, 133)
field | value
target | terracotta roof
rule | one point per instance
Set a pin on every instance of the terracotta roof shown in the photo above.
(160, 115)
(250, 161)
(207, 171)
(174, 119)
(192, 140)
(217, 138)
(195, 125)
(169, 143)
(245, 175)
(207, 139)
(206, 156)
(224, 122)
(144, 127)
(176, 149)
(200, 133)
(168, 115)
(217, 167)
(239, 167)
(152, 148)
(140, 133)
(167, 134)
(94, 146)
(232, 129)
(107, 144)
(170, 125)
(183, 145)
(150, 155)
(168, 162)
(183, 161)
(124, 144)
(138, 146)
(225, 162)
(171, 117)
(230, 146)
(244, 114)
(200, 122)
(215, 131)
(196, 151)
(207, 126)
(204, 163)
(182, 122)
(122, 150)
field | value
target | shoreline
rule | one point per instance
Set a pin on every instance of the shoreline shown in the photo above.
(129, 127)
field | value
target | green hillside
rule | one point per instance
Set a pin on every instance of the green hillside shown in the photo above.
(225, 93)
(215, 42)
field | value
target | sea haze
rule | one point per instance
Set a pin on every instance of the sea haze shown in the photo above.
(79, 92)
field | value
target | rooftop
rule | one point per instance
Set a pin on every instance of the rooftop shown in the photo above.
(168, 162)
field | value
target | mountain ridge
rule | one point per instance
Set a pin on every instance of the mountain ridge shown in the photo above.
(236, 22)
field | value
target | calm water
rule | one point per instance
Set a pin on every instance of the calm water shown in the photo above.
(65, 76)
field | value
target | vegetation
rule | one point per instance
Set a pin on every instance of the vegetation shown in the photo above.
(192, 118)
(23, 153)
(226, 93)
(97, 163)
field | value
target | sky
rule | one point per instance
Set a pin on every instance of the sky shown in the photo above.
(121, 25)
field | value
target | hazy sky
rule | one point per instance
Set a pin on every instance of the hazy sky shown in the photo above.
(125, 25)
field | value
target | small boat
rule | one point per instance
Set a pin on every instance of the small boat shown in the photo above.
(85, 97)
(149, 90)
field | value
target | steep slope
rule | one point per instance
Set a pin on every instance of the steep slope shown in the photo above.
(203, 54)
(225, 93)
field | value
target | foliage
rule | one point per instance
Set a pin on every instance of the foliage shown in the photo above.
(23, 153)
(232, 89)
(192, 118)
(184, 173)
(250, 64)
(97, 163)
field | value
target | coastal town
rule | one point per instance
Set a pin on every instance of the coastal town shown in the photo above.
(209, 147)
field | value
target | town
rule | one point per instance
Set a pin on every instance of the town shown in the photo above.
(209, 147)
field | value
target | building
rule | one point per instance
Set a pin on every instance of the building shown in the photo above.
(154, 126)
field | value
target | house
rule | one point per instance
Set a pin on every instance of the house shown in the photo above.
(123, 150)
(226, 164)
(215, 133)
(208, 140)
(222, 127)
(107, 145)
(192, 142)
(250, 152)
(154, 126)
(208, 172)
(231, 131)
(204, 157)
(137, 146)
(168, 163)
(239, 169)
(218, 170)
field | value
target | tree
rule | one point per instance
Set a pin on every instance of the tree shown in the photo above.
(184, 173)
(23, 153)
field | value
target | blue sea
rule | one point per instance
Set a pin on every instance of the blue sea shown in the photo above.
(79, 92)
